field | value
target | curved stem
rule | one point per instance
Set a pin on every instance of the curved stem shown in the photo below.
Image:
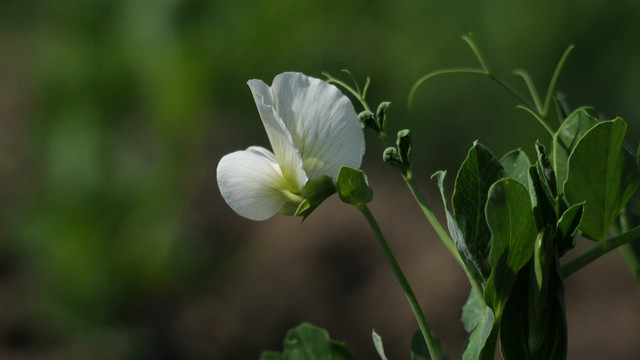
(595, 252)
(554, 80)
(429, 339)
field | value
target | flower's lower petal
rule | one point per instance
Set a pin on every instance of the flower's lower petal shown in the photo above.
(322, 121)
(250, 181)
(285, 151)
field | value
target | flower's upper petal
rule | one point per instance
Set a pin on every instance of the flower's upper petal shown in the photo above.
(286, 153)
(250, 181)
(322, 121)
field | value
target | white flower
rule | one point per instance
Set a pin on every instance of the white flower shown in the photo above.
(313, 130)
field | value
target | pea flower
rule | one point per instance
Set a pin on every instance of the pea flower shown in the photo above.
(313, 130)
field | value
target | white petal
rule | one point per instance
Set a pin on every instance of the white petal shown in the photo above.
(250, 181)
(286, 153)
(322, 121)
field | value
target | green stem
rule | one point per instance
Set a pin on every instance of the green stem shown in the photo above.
(433, 220)
(598, 250)
(413, 302)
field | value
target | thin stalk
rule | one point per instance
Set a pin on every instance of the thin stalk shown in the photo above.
(433, 220)
(413, 302)
(598, 250)
(439, 229)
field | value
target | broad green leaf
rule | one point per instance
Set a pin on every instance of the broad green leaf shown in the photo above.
(307, 342)
(478, 320)
(479, 170)
(377, 342)
(601, 174)
(571, 130)
(353, 187)
(511, 222)
(513, 232)
(472, 264)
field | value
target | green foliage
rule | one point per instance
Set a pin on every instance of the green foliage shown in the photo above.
(478, 319)
(565, 139)
(601, 174)
(307, 342)
(476, 175)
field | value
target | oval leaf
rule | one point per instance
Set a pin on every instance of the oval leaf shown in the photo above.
(603, 175)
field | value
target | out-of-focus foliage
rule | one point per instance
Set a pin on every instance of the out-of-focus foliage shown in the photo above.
(113, 115)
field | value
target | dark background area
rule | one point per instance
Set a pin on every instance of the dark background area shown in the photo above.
(116, 244)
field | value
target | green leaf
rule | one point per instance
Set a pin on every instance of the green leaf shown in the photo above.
(564, 141)
(307, 342)
(516, 166)
(511, 222)
(471, 263)
(315, 192)
(603, 175)
(478, 320)
(377, 342)
(479, 170)
(513, 232)
(353, 187)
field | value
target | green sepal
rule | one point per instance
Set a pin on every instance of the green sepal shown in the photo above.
(315, 192)
(381, 114)
(353, 187)
(308, 342)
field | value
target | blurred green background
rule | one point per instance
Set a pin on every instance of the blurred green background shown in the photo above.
(115, 242)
